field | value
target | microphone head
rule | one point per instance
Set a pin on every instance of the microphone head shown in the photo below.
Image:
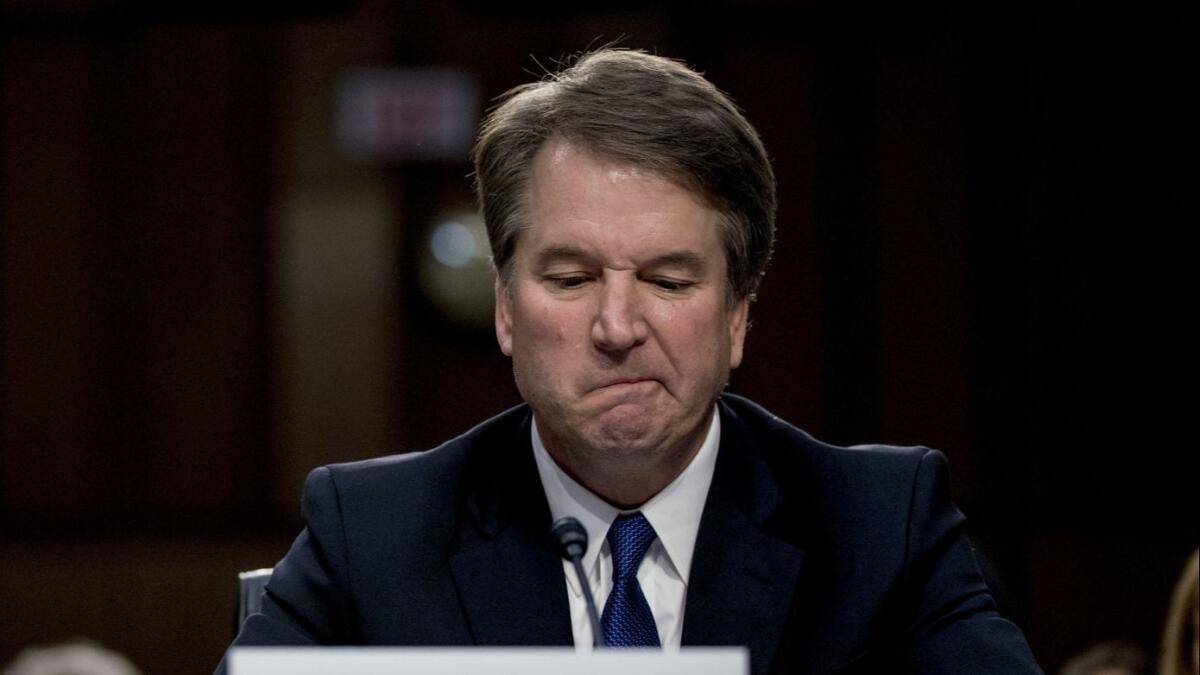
(571, 537)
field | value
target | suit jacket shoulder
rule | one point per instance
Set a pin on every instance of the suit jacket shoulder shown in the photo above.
(375, 563)
(424, 491)
(887, 580)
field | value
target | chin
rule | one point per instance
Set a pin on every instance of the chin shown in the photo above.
(621, 428)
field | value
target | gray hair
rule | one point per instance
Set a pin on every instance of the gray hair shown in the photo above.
(651, 112)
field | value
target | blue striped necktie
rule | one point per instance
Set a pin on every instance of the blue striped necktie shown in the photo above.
(627, 620)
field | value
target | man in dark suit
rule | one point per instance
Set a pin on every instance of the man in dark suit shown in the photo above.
(630, 209)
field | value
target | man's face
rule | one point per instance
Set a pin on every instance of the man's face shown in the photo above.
(617, 320)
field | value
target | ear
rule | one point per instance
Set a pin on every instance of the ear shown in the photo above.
(503, 317)
(739, 316)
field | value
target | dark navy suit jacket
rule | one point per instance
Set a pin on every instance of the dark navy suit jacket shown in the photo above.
(820, 559)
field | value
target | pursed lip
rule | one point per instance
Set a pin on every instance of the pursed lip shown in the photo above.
(622, 381)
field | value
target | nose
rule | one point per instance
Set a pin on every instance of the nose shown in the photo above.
(619, 324)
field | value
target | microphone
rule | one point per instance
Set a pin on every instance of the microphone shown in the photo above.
(572, 543)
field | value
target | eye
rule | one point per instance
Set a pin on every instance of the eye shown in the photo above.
(671, 285)
(568, 282)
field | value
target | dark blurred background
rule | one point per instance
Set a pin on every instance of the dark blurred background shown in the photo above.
(205, 290)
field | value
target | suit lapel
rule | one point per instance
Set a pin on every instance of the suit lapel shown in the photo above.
(744, 577)
(507, 572)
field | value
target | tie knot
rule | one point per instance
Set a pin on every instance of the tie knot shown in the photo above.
(628, 539)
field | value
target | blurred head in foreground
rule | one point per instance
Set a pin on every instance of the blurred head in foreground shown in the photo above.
(72, 658)
(1181, 642)
(1107, 658)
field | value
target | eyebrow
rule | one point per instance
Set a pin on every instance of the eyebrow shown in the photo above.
(552, 254)
(684, 259)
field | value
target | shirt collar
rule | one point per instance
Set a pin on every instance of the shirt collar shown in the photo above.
(674, 512)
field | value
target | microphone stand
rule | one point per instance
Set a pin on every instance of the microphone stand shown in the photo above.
(572, 543)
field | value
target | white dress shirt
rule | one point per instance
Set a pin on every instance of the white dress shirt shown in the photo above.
(675, 515)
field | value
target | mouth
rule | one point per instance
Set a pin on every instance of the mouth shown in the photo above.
(630, 381)
(626, 388)
(634, 391)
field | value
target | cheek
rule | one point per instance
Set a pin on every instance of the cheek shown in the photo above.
(561, 331)
(715, 342)
(695, 338)
(553, 326)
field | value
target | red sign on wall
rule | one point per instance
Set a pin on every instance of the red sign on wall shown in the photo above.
(407, 114)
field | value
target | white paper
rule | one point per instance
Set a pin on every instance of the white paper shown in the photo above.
(492, 661)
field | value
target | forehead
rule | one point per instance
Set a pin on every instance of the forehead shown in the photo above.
(578, 195)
